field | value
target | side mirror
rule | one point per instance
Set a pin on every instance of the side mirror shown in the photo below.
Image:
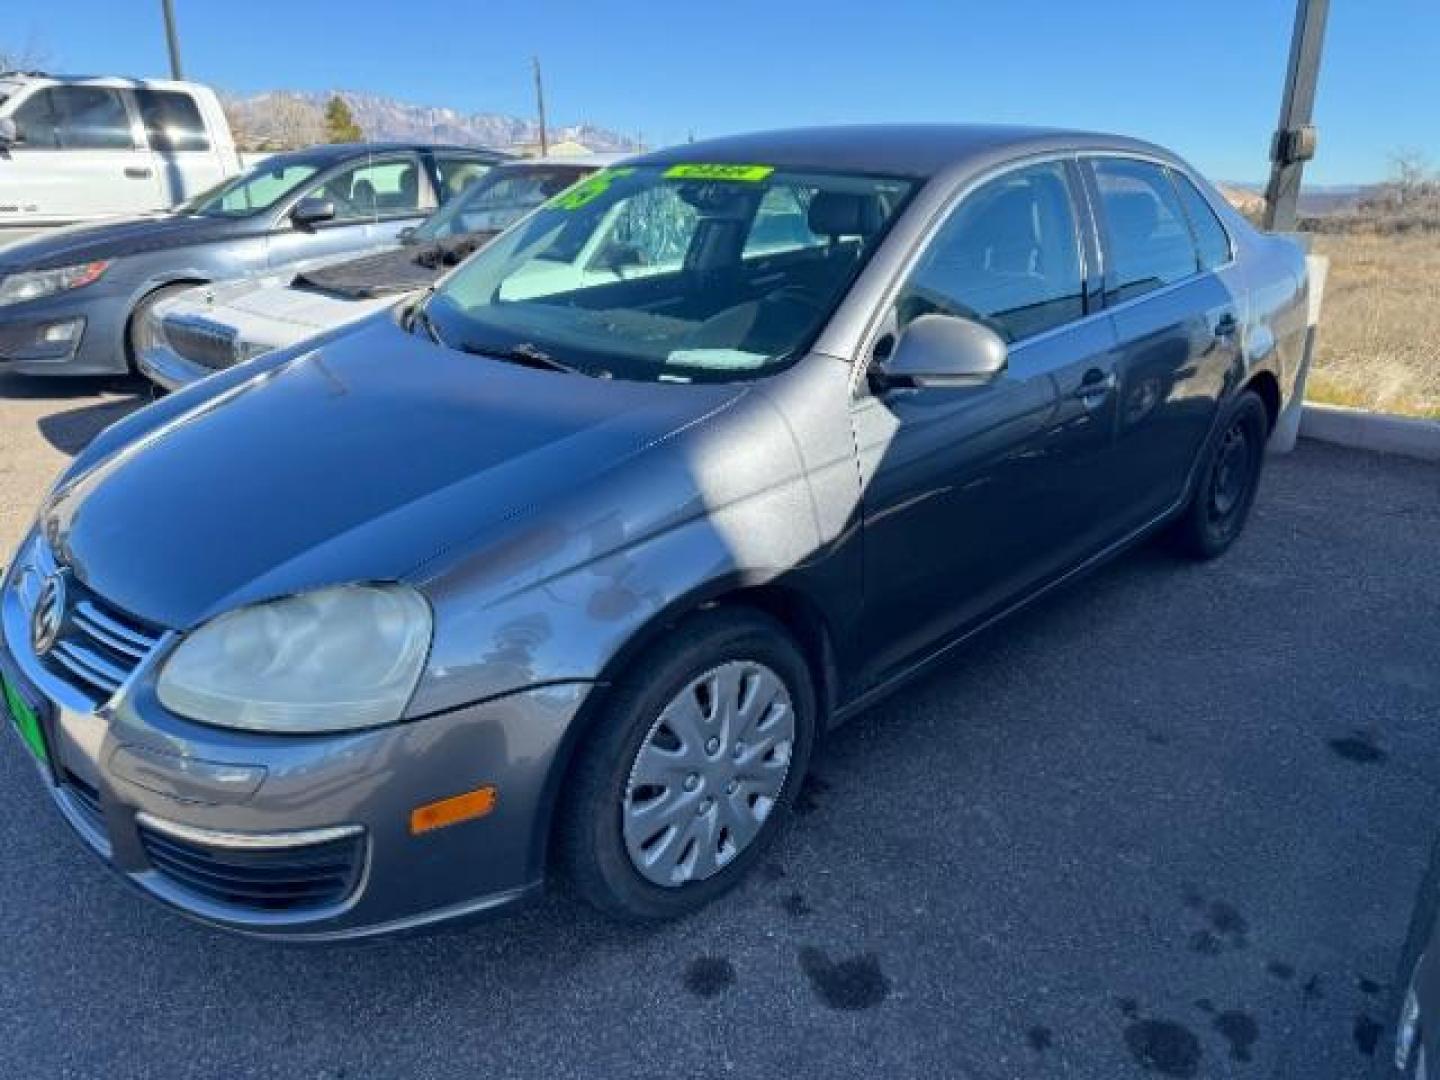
(943, 351)
(311, 212)
(9, 133)
(406, 234)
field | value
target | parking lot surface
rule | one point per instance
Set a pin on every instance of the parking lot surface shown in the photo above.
(1168, 823)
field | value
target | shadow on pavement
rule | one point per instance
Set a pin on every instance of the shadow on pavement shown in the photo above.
(70, 430)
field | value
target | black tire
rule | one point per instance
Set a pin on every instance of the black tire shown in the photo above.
(591, 847)
(1422, 927)
(1227, 482)
(137, 318)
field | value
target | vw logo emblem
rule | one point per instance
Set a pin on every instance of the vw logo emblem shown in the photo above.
(49, 614)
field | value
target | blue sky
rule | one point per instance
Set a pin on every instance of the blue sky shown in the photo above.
(1201, 76)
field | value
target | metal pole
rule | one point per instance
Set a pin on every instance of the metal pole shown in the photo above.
(172, 39)
(1294, 142)
(540, 107)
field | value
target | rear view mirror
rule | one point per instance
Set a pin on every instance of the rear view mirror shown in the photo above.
(310, 212)
(942, 350)
(9, 133)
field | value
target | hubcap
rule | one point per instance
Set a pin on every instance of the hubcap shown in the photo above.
(708, 773)
(1232, 473)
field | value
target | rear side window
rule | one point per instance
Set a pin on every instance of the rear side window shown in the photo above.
(1210, 235)
(172, 120)
(1009, 257)
(74, 118)
(1148, 243)
(782, 223)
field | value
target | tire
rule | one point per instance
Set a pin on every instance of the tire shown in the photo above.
(1417, 937)
(1228, 480)
(137, 318)
(713, 657)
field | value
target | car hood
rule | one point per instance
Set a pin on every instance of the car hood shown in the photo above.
(118, 237)
(357, 461)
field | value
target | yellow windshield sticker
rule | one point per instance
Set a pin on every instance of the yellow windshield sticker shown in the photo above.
(589, 189)
(747, 173)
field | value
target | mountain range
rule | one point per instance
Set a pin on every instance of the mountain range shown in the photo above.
(288, 117)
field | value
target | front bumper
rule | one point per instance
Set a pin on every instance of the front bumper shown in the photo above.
(168, 369)
(96, 317)
(208, 820)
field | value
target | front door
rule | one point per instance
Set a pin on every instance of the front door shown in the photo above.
(374, 199)
(973, 495)
(76, 158)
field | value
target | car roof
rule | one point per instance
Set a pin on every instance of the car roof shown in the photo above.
(915, 150)
(330, 153)
(569, 161)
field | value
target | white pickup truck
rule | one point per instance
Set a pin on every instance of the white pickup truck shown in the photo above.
(80, 148)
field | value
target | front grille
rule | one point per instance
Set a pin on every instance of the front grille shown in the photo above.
(209, 344)
(268, 879)
(98, 645)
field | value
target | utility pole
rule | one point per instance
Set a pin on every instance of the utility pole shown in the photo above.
(1294, 142)
(539, 106)
(172, 39)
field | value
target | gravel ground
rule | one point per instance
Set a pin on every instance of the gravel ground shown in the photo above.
(1169, 823)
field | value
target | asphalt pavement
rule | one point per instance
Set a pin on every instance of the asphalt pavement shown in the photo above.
(1169, 823)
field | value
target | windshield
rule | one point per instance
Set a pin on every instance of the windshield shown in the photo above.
(259, 189)
(499, 199)
(685, 273)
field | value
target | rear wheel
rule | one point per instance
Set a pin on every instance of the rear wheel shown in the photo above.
(688, 773)
(1228, 481)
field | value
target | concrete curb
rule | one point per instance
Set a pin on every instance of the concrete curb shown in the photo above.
(1361, 430)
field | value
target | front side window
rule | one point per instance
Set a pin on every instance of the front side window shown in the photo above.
(1009, 257)
(1210, 236)
(1147, 239)
(638, 272)
(251, 192)
(74, 118)
(172, 120)
(91, 118)
(369, 190)
(35, 125)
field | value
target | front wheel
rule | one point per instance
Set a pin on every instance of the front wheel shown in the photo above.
(1228, 481)
(698, 755)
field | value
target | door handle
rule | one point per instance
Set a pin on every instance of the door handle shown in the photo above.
(1226, 325)
(1094, 385)
(138, 172)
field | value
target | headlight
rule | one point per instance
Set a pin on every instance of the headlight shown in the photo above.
(34, 284)
(332, 660)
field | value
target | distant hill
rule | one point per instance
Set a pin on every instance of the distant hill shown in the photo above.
(290, 118)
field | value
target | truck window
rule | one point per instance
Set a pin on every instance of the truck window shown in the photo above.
(35, 122)
(172, 120)
(90, 118)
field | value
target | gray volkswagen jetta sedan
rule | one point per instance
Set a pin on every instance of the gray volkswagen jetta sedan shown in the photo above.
(565, 570)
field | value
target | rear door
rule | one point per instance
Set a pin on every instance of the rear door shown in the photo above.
(184, 160)
(374, 198)
(973, 496)
(1177, 318)
(77, 157)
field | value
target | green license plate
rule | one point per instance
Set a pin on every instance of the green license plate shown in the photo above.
(25, 720)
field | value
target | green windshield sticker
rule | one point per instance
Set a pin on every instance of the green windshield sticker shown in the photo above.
(589, 189)
(747, 173)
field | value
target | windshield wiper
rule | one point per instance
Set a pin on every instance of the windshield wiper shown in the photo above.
(525, 354)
